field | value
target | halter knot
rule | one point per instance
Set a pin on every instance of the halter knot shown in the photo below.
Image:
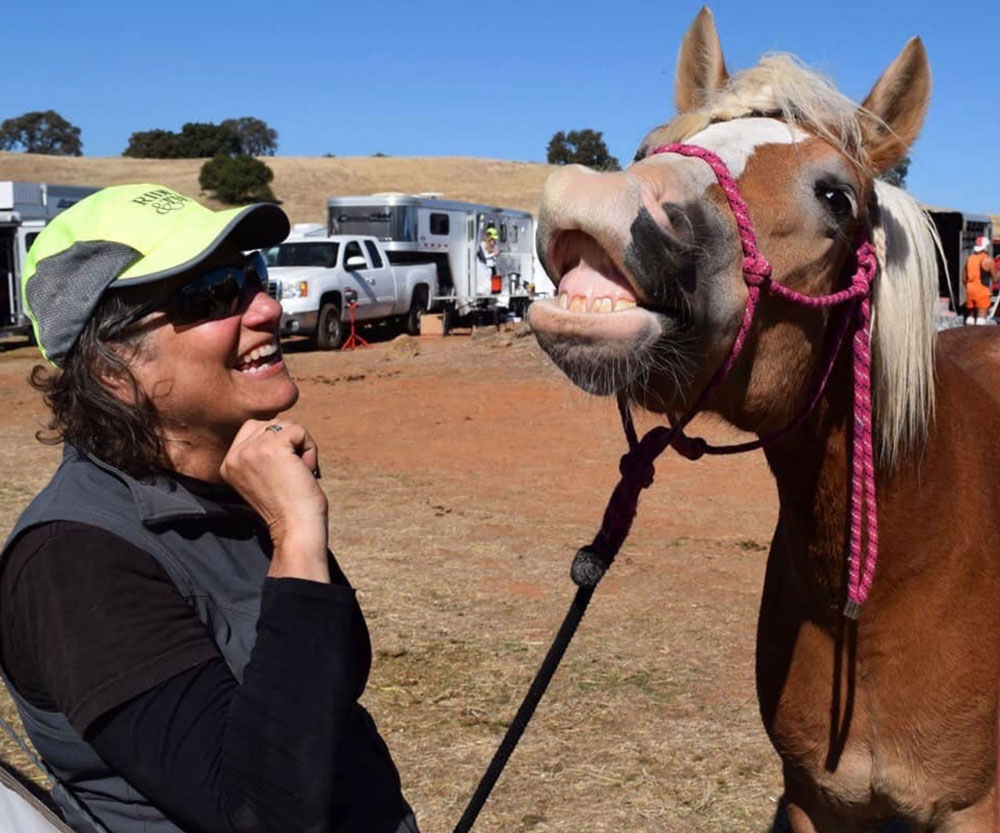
(867, 265)
(691, 448)
(637, 468)
(756, 269)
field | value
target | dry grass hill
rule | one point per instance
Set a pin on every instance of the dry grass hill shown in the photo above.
(303, 183)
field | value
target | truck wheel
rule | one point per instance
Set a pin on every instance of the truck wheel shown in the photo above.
(329, 327)
(417, 309)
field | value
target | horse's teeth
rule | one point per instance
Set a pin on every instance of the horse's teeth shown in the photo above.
(564, 301)
(578, 304)
(623, 303)
(603, 305)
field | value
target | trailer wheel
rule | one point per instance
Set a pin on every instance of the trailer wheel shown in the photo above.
(418, 306)
(329, 327)
(447, 316)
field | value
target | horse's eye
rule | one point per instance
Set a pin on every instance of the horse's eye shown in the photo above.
(837, 201)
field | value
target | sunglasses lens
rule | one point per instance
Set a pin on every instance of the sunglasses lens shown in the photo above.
(220, 293)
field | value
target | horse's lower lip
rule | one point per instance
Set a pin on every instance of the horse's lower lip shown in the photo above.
(627, 325)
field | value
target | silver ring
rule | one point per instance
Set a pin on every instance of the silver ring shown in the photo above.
(274, 429)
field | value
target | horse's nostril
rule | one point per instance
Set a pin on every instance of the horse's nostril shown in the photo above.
(680, 223)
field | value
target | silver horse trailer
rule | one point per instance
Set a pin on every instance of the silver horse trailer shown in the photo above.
(417, 228)
(25, 208)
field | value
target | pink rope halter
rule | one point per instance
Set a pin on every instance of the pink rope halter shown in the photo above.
(637, 465)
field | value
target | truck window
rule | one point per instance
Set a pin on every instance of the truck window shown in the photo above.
(439, 223)
(513, 233)
(352, 249)
(503, 232)
(307, 254)
(373, 255)
(270, 256)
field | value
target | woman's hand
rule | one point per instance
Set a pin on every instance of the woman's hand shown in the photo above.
(274, 466)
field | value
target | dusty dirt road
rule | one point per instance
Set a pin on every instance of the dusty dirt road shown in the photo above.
(463, 474)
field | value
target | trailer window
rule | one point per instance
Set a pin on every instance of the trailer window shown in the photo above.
(513, 233)
(439, 223)
(373, 255)
(503, 232)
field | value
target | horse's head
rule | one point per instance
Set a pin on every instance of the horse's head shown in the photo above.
(648, 260)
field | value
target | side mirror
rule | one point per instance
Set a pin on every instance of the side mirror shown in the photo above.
(355, 262)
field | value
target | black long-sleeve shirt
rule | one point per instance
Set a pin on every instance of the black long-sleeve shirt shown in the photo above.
(108, 641)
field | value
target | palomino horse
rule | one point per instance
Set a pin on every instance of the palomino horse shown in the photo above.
(891, 713)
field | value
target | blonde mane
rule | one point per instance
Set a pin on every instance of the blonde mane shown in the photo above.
(903, 331)
(782, 87)
(905, 295)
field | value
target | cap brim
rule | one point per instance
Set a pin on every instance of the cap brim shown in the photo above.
(251, 227)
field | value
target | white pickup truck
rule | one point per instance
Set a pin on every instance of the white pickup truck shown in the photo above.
(319, 276)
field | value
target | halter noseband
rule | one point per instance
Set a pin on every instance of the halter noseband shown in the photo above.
(637, 465)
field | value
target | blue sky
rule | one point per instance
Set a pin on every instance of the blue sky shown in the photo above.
(477, 79)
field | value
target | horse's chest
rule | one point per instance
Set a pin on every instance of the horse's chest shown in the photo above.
(868, 731)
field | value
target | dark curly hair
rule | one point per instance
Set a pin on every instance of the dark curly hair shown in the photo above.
(122, 430)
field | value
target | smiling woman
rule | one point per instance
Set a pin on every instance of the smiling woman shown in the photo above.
(183, 649)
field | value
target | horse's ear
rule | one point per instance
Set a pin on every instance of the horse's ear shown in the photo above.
(899, 99)
(701, 69)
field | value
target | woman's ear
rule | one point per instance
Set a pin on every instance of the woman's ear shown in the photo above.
(899, 102)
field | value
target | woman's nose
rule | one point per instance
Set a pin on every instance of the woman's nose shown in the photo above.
(262, 309)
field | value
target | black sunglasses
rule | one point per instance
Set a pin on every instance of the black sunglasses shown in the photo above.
(211, 296)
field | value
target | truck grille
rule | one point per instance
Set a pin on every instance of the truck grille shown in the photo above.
(274, 289)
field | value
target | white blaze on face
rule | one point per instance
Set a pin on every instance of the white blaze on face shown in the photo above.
(735, 142)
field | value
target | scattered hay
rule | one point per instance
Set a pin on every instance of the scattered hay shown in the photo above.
(403, 347)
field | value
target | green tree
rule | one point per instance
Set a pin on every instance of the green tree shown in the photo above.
(199, 140)
(42, 131)
(256, 138)
(582, 147)
(237, 180)
(153, 144)
(896, 175)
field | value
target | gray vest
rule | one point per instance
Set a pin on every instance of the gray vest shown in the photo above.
(219, 569)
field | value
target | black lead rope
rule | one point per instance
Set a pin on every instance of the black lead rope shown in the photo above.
(589, 566)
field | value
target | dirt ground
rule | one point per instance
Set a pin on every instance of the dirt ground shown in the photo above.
(463, 474)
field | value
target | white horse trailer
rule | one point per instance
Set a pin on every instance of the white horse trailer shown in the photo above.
(25, 208)
(417, 228)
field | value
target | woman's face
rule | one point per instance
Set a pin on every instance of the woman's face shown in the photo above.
(209, 377)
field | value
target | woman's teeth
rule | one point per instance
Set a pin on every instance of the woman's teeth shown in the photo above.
(253, 360)
(580, 303)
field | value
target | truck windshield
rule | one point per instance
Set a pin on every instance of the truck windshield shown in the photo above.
(306, 254)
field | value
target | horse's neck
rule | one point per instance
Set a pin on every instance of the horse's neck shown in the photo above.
(811, 467)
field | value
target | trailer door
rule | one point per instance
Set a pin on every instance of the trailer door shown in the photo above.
(8, 278)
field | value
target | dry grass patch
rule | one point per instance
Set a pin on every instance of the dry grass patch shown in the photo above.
(302, 184)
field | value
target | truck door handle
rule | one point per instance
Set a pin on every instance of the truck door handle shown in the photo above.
(371, 281)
